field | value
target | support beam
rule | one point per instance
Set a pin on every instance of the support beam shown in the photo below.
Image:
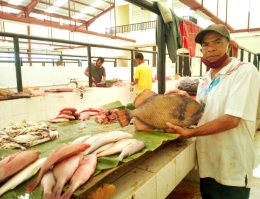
(63, 27)
(29, 8)
(89, 22)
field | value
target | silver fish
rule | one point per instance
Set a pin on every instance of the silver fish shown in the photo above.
(132, 148)
(108, 137)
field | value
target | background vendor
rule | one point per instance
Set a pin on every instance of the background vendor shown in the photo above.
(98, 71)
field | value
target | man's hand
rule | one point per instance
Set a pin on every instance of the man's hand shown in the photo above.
(177, 91)
(177, 129)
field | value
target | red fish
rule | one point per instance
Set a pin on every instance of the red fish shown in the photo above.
(63, 171)
(56, 156)
(86, 168)
(14, 163)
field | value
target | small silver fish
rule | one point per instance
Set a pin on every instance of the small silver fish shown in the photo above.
(132, 148)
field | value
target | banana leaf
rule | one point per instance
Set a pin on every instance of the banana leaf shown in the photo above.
(69, 131)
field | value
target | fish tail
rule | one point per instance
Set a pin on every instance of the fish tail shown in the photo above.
(56, 192)
(30, 187)
(46, 196)
(68, 193)
(123, 116)
(120, 157)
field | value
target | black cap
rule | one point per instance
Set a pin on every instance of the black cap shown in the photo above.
(218, 28)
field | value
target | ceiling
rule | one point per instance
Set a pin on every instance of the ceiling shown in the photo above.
(72, 15)
(78, 15)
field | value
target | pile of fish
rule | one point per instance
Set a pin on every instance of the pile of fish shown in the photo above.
(154, 110)
(65, 115)
(72, 163)
(26, 134)
(102, 115)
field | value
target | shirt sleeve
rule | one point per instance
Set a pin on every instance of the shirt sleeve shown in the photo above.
(243, 97)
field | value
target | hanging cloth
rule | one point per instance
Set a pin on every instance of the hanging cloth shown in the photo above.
(189, 31)
(234, 48)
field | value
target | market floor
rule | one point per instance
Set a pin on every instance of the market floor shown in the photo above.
(190, 190)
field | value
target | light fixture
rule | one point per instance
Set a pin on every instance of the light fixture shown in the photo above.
(15, 2)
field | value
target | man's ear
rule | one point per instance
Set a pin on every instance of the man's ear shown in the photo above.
(230, 45)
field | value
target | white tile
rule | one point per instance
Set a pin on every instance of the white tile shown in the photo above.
(2, 123)
(156, 162)
(20, 106)
(19, 118)
(6, 108)
(8, 121)
(33, 116)
(131, 182)
(46, 102)
(58, 101)
(182, 165)
(165, 180)
(148, 190)
(43, 115)
(34, 104)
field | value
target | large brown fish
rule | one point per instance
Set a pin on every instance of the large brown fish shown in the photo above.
(154, 110)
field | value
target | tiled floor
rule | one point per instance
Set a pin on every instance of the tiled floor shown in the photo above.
(190, 190)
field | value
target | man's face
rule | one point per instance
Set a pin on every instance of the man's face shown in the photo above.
(99, 63)
(137, 61)
(214, 46)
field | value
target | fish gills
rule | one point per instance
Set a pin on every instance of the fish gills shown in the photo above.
(15, 162)
(86, 168)
(56, 156)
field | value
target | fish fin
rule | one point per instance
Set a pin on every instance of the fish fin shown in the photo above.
(139, 125)
(123, 116)
(30, 187)
(145, 94)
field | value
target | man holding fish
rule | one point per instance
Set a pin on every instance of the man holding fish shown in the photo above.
(225, 133)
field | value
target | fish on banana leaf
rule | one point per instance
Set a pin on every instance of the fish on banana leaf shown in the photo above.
(154, 110)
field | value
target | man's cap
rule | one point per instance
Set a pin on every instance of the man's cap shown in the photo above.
(218, 28)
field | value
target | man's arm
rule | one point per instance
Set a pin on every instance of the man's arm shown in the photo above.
(223, 123)
(134, 82)
(87, 74)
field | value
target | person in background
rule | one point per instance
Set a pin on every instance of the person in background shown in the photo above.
(59, 63)
(142, 74)
(225, 133)
(98, 71)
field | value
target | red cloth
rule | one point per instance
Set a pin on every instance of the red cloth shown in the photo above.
(234, 48)
(189, 31)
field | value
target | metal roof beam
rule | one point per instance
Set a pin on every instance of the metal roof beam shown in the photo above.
(29, 8)
(64, 26)
(89, 22)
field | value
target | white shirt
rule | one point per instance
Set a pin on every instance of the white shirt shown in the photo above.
(228, 157)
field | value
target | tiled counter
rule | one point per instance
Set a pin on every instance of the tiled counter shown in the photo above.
(47, 107)
(155, 174)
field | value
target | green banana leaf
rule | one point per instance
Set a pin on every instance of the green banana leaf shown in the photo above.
(69, 131)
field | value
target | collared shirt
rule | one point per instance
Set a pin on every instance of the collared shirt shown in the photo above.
(228, 157)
